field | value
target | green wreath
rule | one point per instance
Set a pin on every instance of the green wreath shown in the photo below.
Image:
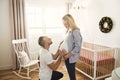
(102, 24)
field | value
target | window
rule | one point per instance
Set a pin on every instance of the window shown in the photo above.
(44, 21)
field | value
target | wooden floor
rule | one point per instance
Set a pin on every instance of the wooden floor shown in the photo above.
(9, 75)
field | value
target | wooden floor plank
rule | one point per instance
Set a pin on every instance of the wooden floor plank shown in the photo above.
(9, 75)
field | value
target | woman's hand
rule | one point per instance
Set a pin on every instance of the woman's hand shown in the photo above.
(65, 57)
(64, 54)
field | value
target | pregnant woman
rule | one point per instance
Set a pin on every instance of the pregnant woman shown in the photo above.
(71, 45)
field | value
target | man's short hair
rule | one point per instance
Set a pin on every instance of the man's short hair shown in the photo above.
(41, 41)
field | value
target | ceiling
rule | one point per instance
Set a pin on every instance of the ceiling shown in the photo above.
(54, 3)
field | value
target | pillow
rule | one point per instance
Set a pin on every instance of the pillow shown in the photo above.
(24, 59)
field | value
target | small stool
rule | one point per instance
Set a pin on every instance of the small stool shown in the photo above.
(116, 74)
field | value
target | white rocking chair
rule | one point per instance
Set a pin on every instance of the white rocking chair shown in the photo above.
(22, 51)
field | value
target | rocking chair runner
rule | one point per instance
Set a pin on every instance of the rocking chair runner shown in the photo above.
(22, 51)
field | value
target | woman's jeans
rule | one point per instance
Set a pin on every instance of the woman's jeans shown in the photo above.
(71, 69)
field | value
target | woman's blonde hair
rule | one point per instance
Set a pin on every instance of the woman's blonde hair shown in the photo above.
(68, 19)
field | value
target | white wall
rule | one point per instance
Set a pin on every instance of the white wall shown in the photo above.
(5, 40)
(88, 16)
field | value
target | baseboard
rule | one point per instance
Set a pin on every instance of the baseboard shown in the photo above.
(6, 67)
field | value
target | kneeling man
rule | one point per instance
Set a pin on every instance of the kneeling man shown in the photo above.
(47, 65)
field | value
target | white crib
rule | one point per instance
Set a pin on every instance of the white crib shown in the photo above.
(96, 61)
